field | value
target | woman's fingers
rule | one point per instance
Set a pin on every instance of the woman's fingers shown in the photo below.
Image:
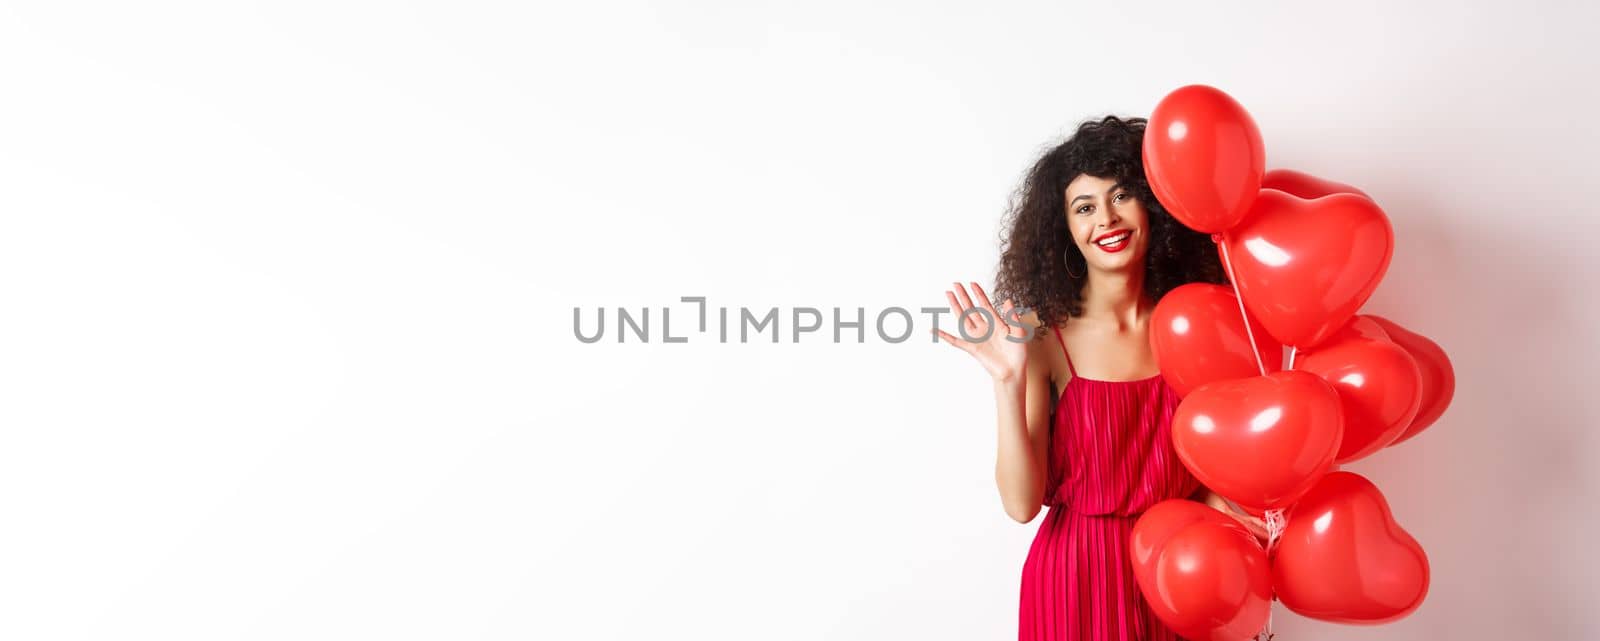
(966, 304)
(956, 308)
(953, 341)
(1005, 312)
(961, 293)
(980, 324)
(983, 298)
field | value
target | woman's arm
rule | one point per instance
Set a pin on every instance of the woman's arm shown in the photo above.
(1021, 393)
(1023, 416)
(1256, 526)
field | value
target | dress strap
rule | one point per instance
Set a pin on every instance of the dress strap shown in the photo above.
(1057, 332)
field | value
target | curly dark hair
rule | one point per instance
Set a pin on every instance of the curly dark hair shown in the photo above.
(1036, 242)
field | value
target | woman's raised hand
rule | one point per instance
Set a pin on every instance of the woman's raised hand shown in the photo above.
(1000, 346)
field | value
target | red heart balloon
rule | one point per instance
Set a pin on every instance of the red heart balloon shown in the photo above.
(1212, 583)
(1342, 557)
(1360, 326)
(1304, 185)
(1438, 376)
(1305, 266)
(1203, 157)
(1260, 441)
(1379, 386)
(1159, 523)
(1198, 335)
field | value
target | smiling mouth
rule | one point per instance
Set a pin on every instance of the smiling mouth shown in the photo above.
(1114, 243)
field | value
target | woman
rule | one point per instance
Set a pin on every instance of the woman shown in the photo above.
(1084, 415)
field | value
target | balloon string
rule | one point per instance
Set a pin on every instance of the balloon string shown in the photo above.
(1274, 518)
(1275, 524)
(1222, 241)
(1292, 350)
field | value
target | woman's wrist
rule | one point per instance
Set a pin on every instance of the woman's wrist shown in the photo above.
(1012, 377)
(1010, 386)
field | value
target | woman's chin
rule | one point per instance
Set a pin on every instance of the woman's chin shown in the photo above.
(1121, 266)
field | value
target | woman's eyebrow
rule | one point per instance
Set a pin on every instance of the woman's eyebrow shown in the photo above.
(1083, 196)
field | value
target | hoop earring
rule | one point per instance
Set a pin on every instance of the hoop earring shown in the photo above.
(1066, 257)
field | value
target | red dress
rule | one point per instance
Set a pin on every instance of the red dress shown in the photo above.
(1110, 458)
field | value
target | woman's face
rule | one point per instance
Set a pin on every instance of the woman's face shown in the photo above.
(1108, 223)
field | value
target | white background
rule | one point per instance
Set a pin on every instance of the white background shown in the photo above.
(286, 349)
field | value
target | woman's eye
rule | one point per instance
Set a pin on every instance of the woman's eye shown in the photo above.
(1084, 209)
(1121, 196)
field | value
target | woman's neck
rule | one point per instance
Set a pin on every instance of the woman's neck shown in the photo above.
(1115, 298)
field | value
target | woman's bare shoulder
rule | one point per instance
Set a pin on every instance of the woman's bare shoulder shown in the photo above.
(1045, 348)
